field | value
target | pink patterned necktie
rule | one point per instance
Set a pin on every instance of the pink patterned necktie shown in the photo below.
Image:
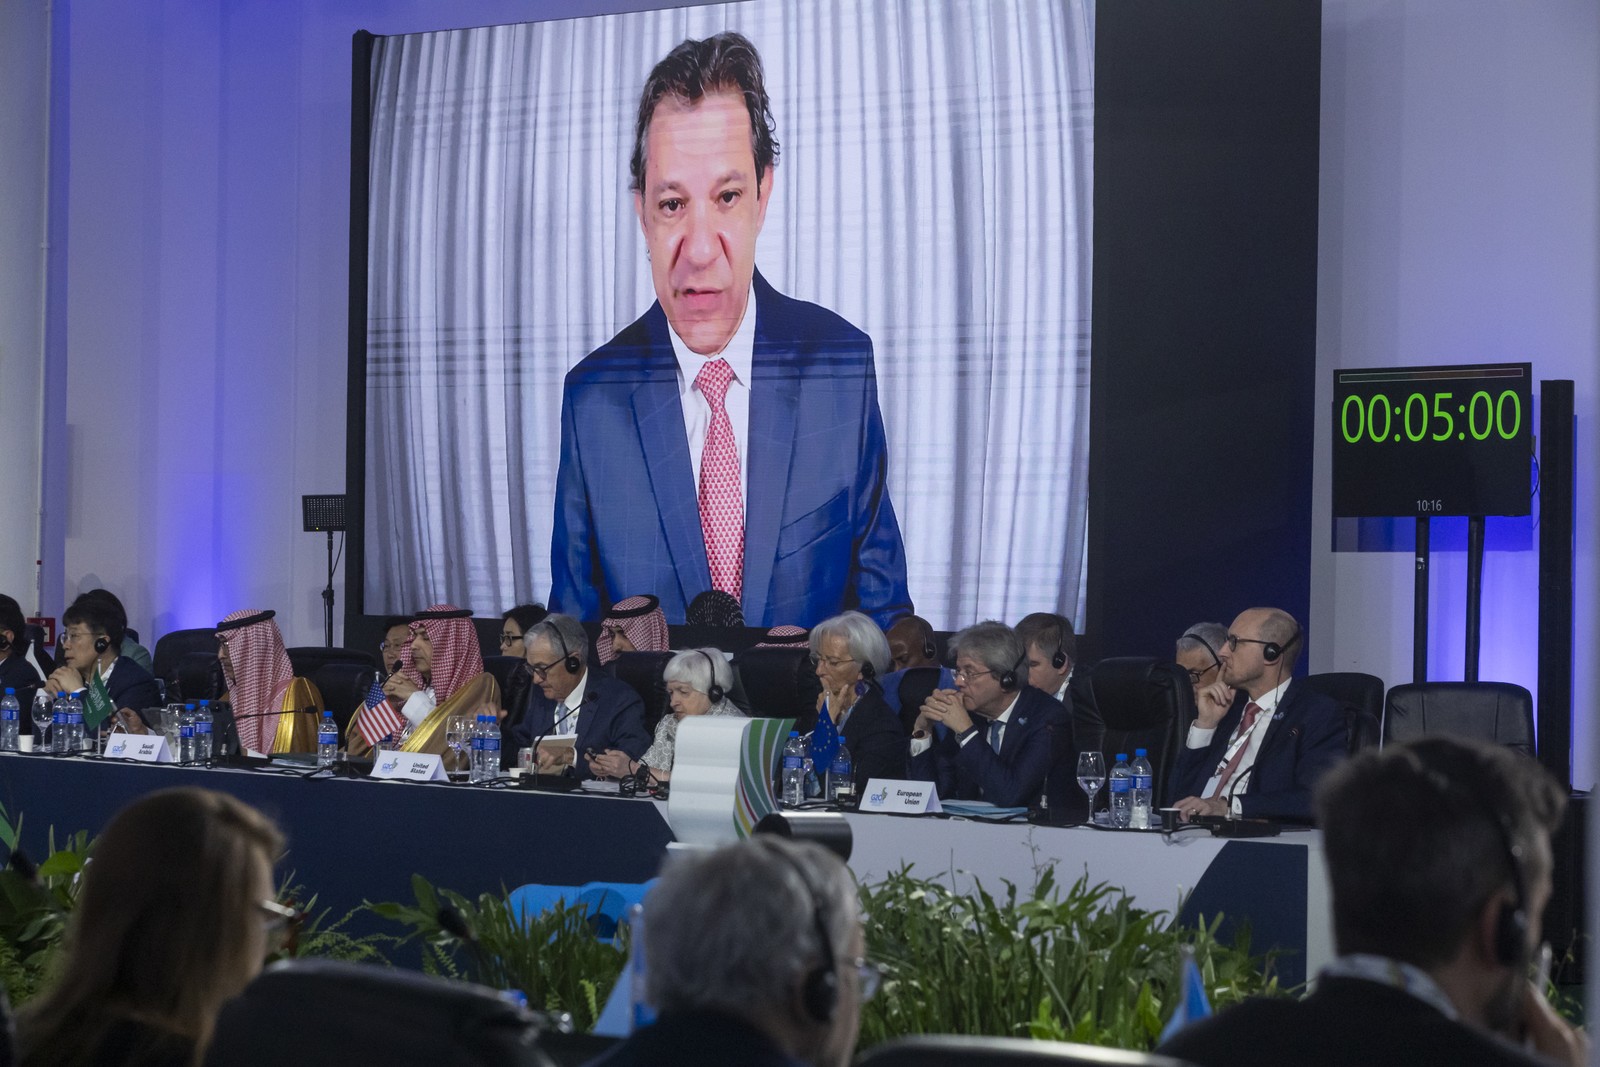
(721, 494)
(1251, 710)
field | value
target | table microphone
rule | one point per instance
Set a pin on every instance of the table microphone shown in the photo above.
(556, 783)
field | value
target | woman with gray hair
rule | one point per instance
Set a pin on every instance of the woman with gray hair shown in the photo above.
(697, 683)
(850, 653)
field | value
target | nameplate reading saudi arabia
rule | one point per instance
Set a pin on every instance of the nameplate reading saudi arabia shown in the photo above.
(142, 748)
(891, 796)
(413, 766)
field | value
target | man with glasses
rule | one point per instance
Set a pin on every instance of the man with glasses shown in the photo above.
(755, 957)
(1197, 654)
(396, 636)
(991, 738)
(1258, 752)
(569, 699)
(92, 662)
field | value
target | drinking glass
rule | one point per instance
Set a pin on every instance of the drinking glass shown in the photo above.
(172, 725)
(1091, 776)
(41, 720)
(455, 736)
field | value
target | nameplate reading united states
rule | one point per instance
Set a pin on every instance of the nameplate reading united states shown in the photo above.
(411, 766)
(891, 796)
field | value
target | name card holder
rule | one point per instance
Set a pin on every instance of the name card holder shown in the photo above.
(894, 796)
(409, 766)
(140, 748)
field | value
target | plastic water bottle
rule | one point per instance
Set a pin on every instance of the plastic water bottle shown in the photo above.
(794, 771)
(186, 735)
(1121, 792)
(78, 741)
(10, 721)
(327, 740)
(841, 778)
(202, 732)
(491, 747)
(58, 725)
(475, 760)
(1140, 770)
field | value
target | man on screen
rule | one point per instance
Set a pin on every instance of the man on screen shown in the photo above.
(730, 438)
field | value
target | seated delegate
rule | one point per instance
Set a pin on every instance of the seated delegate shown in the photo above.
(697, 682)
(441, 675)
(849, 653)
(272, 710)
(92, 664)
(568, 698)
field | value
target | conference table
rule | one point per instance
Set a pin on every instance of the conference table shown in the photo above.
(359, 839)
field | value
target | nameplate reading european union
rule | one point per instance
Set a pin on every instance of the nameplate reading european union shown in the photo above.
(142, 748)
(891, 796)
(411, 766)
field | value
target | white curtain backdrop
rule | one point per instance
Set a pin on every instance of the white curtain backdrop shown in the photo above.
(934, 188)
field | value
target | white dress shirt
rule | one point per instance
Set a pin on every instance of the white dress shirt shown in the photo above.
(566, 713)
(739, 353)
(920, 745)
(1200, 738)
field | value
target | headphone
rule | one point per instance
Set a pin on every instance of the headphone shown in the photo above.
(1216, 660)
(869, 673)
(1059, 660)
(101, 644)
(569, 660)
(819, 992)
(1511, 924)
(715, 693)
(5, 642)
(1008, 678)
(928, 651)
(1271, 652)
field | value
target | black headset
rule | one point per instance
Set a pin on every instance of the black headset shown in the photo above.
(1216, 660)
(101, 644)
(928, 651)
(819, 992)
(1511, 924)
(1059, 660)
(569, 660)
(5, 642)
(1008, 678)
(1271, 652)
(714, 693)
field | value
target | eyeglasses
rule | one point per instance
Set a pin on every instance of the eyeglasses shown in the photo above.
(1195, 676)
(870, 975)
(1233, 642)
(69, 637)
(507, 640)
(833, 664)
(970, 673)
(540, 670)
(282, 924)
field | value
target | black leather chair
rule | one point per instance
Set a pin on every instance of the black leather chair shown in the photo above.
(1489, 711)
(351, 1013)
(172, 647)
(343, 687)
(196, 676)
(780, 684)
(642, 671)
(41, 651)
(1361, 698)
(1145, 703)
(950, 1050)
(305, 659)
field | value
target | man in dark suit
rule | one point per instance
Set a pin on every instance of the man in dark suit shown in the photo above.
(1259, 753)
(15, 670)
(568, 698)
(756, 960)
(993, 736)
(730, 438)
(92, 664)
(1438, 855)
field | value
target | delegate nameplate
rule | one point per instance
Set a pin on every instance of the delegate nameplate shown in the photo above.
(891, 796)
(411, 766)
(141, 748)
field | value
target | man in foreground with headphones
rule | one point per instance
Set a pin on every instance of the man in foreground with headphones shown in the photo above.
(1260, 741)
(605, 714)
(754, 957)
(1439, 862)
(1004, 755)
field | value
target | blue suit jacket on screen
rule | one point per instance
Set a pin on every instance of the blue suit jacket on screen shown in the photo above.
(1014, 776)
(1305, 739)
(612, 717)
(820, 531)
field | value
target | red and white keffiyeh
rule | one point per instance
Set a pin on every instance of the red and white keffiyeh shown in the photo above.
(259, 676)
(457, 657)
(641, 619)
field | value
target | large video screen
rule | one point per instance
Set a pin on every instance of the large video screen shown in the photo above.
(783, 299)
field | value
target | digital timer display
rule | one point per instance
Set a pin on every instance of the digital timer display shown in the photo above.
(1433, 440)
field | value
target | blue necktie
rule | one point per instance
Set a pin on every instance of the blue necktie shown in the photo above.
(994, 735)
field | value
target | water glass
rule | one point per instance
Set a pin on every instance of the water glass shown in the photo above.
(1091, 776)
(455, 747)
(41, 720)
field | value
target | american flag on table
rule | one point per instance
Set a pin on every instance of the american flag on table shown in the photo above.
(377, 718)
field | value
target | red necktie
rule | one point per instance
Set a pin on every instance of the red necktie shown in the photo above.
(1251, 710)
(721, 494)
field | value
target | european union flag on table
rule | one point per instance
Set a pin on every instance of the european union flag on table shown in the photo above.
(1192, 1003)
(824, 742)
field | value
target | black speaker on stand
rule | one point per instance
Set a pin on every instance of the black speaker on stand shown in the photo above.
(325, 514)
